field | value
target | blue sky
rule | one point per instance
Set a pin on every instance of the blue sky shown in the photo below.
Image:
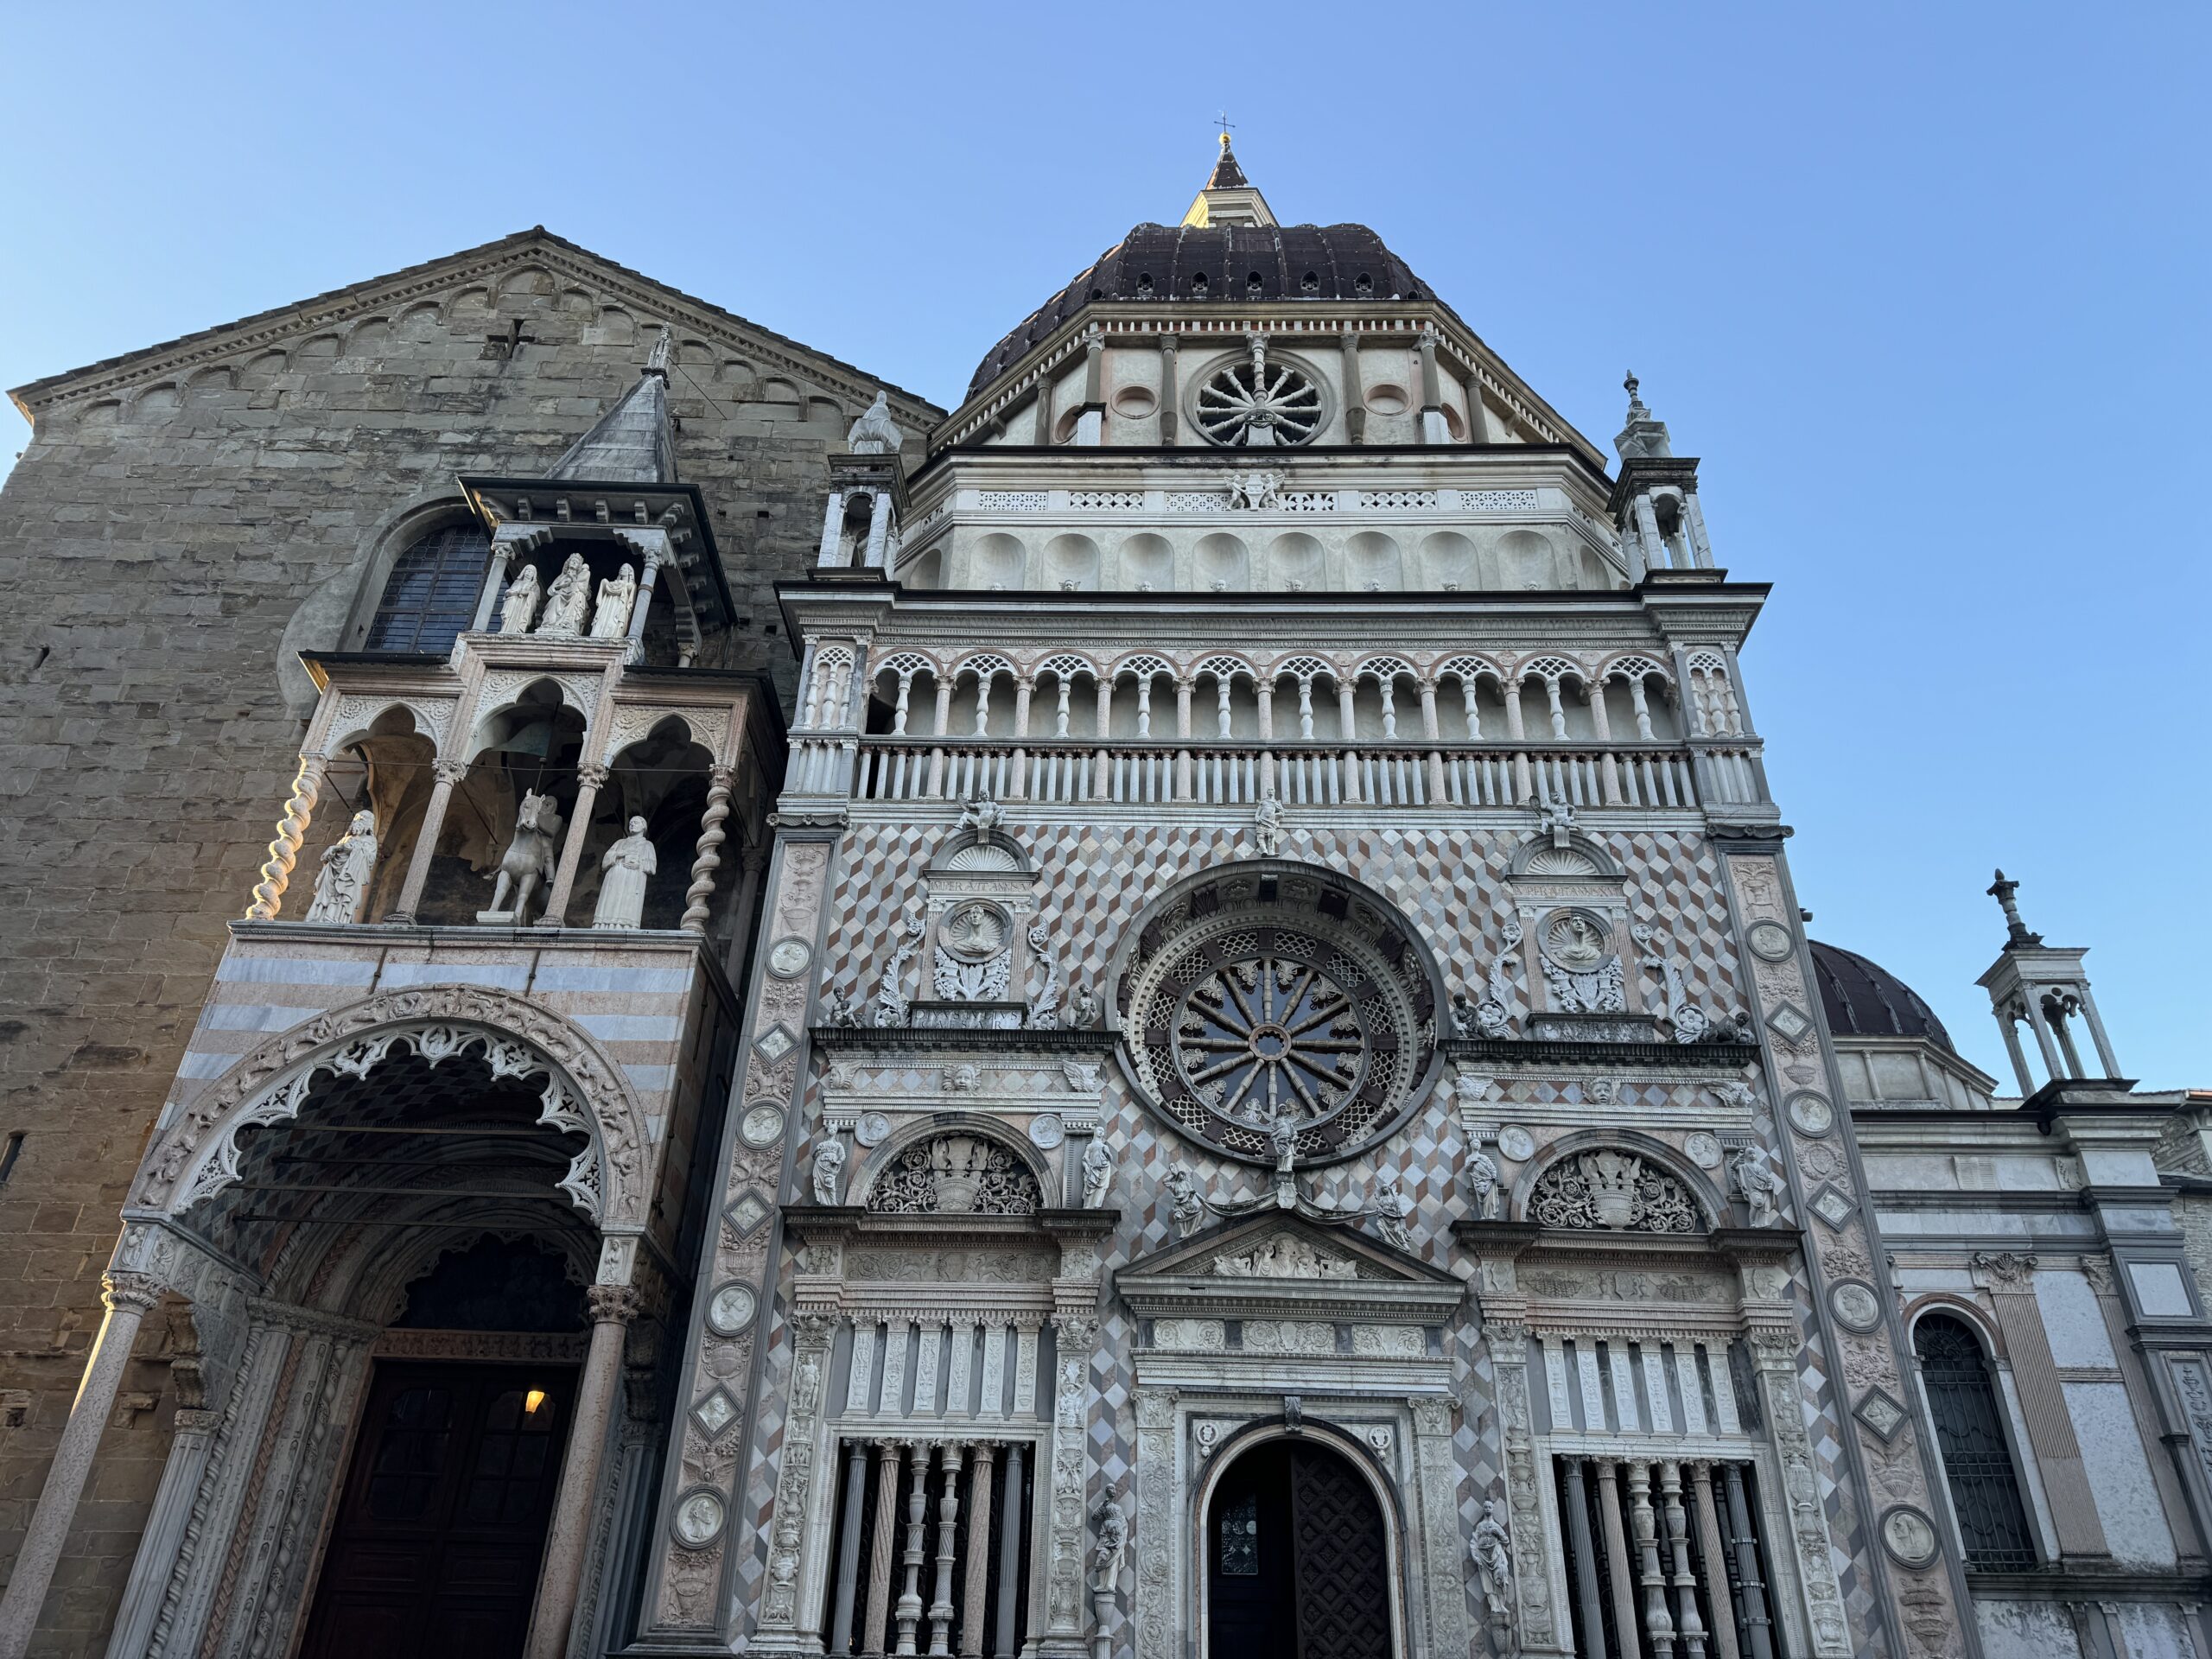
(1923, 285)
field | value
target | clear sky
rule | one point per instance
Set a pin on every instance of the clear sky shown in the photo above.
(1924, 285)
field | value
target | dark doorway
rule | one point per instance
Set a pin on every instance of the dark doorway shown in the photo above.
(443, 1514)
(1296, 1563)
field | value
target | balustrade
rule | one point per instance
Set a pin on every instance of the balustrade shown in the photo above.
(1297, 773)
(1664, 1557)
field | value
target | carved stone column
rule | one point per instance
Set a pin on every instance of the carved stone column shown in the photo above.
(589, 781)
(890, 1460)
(1076, 1335)
(1620, 1572)
(846, 1597)
(811, 1331)
(1157, 1534)
(1658, 1623)
(909, 1611)
(643, 604)
(613, 1307)
(700, 895)
(979, 1552)
(291, 830)
(128, 1296)
(1009, 1551)
(1716, 1566)
(449, 774)
(1538, 1619)
(1442, 1579)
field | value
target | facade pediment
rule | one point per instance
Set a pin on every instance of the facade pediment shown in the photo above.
(1278, 1260)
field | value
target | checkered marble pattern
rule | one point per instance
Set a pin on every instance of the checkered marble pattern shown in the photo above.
(1095, 878)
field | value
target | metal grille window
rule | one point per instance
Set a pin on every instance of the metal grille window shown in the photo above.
(1977, 1460)
(431, 594)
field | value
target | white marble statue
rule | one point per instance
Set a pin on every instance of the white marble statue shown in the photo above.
(1492, 1548)
(611, 620)
(829, 1169)
(1083, 1010)
(341, 886)
(1097, 1173)
(1186, 1206)
(1393, 1207)
(1482, 1175)
(876, 433)
(529, 859)
(1756, 1181)
(622, 887)
(566, 599)
(1111, 1528)
(518, 605)
(1267, 827)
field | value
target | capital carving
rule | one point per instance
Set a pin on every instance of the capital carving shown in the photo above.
(612, 1303)
(451, 773)
(2002, 1270)
(592, 776)
(137, 1292)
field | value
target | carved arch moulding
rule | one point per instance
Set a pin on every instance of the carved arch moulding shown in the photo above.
(584, 1092)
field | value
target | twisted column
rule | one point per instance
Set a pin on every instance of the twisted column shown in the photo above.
(1620, 1573)
(890, 1461)
(128, 1298)
(1716, 1565)
(1009, 1551)
(707, 860)
(1585, 1562)
(979, 1552)
(291, 830)
(848, 1547)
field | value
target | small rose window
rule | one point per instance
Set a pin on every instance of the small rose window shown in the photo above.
(1258, 404)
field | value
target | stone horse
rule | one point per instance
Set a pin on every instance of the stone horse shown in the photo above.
(531, 857)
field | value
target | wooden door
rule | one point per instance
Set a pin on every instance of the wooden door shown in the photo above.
(1296, 1562)
(443, 1514)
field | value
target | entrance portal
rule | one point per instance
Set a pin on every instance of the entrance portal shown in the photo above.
(1296, 1562)
(436, 1548)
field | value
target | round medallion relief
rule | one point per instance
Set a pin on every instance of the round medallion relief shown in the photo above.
(761, 1127)
(698, 1518)
(787, 957)
(1577, 940)
(872, 1130)
(975, 930)
(1770, 941)
(1704, 1149)
(730, 1309)
(1517, 1143)
(1811, 1114)
(1046, 1131)
(1855, 1304)
(1908, 1535)
(1269, 998)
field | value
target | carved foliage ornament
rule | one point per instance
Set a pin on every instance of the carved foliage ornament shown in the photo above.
(956, 1175)
(1615, 1191)
(584, 1093)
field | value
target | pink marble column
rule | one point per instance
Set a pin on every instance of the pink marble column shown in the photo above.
(613, 1307)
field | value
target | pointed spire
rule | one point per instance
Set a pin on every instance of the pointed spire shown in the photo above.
(1228, 198)
(2016, 931)
(1642, 435)
(634, 443)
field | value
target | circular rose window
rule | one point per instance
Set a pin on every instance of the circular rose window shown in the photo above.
(1254, 405)
(1275, 1000)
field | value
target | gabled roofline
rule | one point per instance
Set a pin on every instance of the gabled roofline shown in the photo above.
(47, 388)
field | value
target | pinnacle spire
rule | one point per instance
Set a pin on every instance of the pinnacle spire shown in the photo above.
(1640, 435)
(634, 443)
(1229, 198)
(2005, 893)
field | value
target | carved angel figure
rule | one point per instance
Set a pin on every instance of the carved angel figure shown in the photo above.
(1492, 1549)
(1082, 1011)
(518, 605)
(1098, 1173)
(840, 1010)
(1464, 1022)
(610, 619)
(829, 1169)
(1756, 1179)
(1392, 1208)
(1186, 1206)
(566, 599)
(981, 814)
(341, 886)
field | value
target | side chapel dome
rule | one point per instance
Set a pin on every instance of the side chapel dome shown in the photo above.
(1864, 999)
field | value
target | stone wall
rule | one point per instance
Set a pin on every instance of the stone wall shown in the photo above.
(183, 519)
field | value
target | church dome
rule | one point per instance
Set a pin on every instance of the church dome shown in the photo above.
(1864, 999)
(1221, 263)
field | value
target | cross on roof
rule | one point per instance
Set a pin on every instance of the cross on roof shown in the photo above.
(1224, 123)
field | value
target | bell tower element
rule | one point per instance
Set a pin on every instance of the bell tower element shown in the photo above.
(2043, 987)
(1655, 502)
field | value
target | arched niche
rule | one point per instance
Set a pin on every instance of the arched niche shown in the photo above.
(1071, 562)
(953, 1164)
(998, 561)
(1447, 561)
(1296, 563)
(1220, 563)
(1619, 1182)
(1372, 563)
(1147, 563)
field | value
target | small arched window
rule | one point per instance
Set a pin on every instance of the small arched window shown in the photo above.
(431, 595)
(1977, 1459)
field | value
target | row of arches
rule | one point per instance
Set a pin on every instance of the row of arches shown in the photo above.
(1291, 561)
(1630, 698)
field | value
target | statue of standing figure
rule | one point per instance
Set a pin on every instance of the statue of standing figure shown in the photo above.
(1097, 1172)
(566, 599)
(341, 886)
(529, 860)
(622, 886)
(1492, 1549)
(611, 620)
(518, 605)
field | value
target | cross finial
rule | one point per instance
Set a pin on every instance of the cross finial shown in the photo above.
(1635, 403)
(1223, 121)
(2005, 893)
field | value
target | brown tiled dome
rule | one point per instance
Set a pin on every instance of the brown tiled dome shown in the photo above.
(1221, 263)
(1864, 999)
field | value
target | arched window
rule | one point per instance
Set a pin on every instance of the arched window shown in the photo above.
(1977, 1460)
(431, 595)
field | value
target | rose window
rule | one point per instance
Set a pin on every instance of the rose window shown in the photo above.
(1258, 404)
(1263, 1003)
